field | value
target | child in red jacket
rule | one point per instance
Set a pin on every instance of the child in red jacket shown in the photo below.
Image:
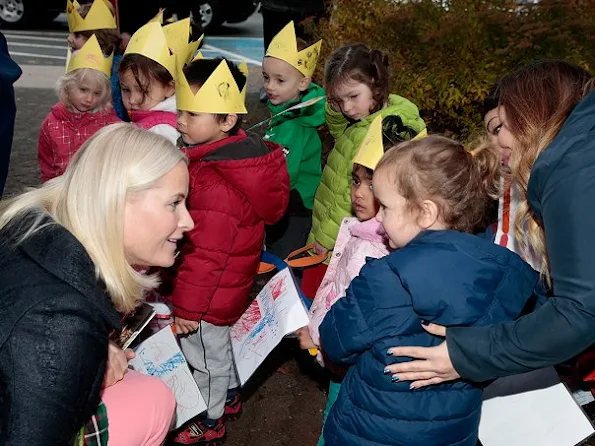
(85, 106)
(238, 183)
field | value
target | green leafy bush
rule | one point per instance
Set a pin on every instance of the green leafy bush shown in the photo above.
(446, 56)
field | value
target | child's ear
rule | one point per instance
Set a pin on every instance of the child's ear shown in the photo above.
(304, 83)
(170, 90)
(229, 122)
(429, 214)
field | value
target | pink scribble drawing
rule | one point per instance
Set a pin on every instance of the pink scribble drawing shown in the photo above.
(247, 322)
(278, 287)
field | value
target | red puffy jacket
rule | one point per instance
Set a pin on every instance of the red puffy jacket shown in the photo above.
(62, 133)
(237, 185)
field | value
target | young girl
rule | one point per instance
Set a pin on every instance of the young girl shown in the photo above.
(356, 83)
(147, 82)
(84, 108)
(432, 193)
(109, 40)
(359, 238)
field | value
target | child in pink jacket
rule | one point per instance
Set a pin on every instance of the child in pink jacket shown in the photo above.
(359, 237)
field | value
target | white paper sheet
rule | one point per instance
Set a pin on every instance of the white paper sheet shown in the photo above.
(533, 408)
(161, 356)
(277, 311)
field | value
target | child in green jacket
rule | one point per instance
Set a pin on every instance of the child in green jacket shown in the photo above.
(287, 69)
(356, 80)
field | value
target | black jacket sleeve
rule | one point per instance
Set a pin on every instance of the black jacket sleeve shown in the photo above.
(564, 325)
(52, 366)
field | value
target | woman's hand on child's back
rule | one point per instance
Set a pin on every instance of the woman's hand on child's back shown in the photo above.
(184, 326)
(319, 248)
(117, 364)
(303, 336)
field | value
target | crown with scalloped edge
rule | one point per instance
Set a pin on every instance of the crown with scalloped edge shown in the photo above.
(219, 94)
(371, 149)
(90, 56)
(284, 47)
(100, 16)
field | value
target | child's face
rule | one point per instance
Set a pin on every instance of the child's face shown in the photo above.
(200, 128)
(362, 196)
(493, 125)
(84, 96)
(282, 82)
(506, 139)
(76, 41)
(399, 222)
(354, 99)
(133, 96)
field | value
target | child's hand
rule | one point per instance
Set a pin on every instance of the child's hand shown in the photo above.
(306, 342)
(184, 326)
(320, 249)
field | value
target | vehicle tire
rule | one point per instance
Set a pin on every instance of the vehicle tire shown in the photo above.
(209, 13)
(21, 13)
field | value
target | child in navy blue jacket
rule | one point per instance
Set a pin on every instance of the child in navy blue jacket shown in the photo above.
(432, 194)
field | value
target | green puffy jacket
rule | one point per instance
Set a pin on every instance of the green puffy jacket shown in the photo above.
(332, 202)
(297, 132)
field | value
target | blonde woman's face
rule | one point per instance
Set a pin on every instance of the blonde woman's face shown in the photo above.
(506, 139)
(156, 219)
(493, 126)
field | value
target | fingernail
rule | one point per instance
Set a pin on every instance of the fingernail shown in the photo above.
(389, 353)
(424, 322)
(394, 379)
(412, 387)
(386, 371)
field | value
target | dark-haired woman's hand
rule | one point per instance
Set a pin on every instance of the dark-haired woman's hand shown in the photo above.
(432, 365)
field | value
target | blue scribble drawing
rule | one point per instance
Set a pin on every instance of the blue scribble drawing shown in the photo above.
(166, 367)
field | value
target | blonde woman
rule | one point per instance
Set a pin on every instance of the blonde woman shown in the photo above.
(547, 110)
(67, 267)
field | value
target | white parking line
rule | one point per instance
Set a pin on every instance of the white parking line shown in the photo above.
(39, 45)
(43, 39)
(231, 54)
(38, 56)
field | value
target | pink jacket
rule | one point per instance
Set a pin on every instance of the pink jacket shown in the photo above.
(356, 241)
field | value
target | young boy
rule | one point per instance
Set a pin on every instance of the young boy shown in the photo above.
(238, 183)
(287, 69)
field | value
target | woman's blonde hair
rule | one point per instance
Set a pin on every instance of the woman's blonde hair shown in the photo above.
(89, 201)
(439, 169)
(97, 80)
(537, 100)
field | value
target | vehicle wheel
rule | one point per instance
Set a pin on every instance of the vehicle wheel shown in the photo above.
(20, 13)
(209, 13)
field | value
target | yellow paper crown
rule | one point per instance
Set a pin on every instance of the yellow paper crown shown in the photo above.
(177, 35)
(149, 41)
(100, 16)
(219, 94)
(90, 56)
(284, 47)
(164, 44)
(371, 149)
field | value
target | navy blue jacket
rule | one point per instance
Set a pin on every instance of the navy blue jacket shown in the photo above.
(561, 193)
(55, 320)
(447, 277)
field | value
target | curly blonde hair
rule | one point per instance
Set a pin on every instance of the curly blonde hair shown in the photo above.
(95, 78)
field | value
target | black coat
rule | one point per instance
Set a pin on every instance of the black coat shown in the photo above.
(55, 321)
(562, 195)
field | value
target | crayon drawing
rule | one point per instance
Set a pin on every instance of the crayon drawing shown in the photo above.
(160, 356)
(277, 311)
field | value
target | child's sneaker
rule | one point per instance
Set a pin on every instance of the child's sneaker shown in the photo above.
(233, 408)
(202, 433)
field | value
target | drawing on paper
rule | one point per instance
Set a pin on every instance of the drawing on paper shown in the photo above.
(276, 312)
(160, 356)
